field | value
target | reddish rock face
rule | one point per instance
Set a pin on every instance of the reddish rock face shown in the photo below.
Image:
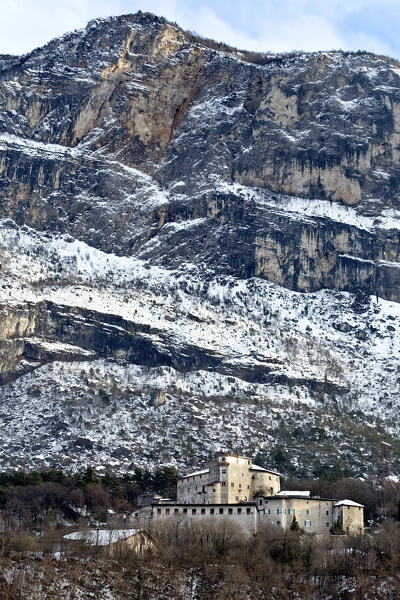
(216, 136)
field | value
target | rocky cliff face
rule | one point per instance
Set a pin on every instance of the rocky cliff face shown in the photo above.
(173, 204)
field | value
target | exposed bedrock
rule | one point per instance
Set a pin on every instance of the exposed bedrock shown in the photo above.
(80, 115)
(242, 238)
(34, 334)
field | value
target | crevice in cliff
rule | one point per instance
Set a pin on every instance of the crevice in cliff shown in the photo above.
(182, 108)
(254, 96)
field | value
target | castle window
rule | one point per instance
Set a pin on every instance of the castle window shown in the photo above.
(239, 511)
(223, 471)
(307, 511)
(291, 511)
(267, 511)
(232, 484)
(278, 511)
(185, 511)
(159, 511)
(260, 501)
(223, 482)
(221, 511)
(214, 490)
(240, 485)
(307, 523)
(193, 511)
(327, 512)
(249, 462)
(278, 522)
(248, 487)
(327, 523)
(211, 511)
(203, 511)
(269, 477)
(230, 511)
(167, 511)
(176, 510)
(248, 511)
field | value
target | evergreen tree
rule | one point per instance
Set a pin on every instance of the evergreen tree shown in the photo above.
(165, 480)
(337, 528)
(295, 524)
(90, 476)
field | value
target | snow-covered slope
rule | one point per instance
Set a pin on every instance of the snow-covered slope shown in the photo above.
(199, 250)
(273, 362)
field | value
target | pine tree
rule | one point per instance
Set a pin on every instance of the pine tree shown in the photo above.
(295, 524)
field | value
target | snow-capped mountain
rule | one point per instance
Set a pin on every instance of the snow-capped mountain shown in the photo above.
(199, 250)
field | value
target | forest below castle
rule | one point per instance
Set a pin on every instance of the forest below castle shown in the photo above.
(188, 561)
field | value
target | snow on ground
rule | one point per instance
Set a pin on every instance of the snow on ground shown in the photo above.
(103, 413)
(303, 207)
(35, 148)
(312, 340)
(249, 321)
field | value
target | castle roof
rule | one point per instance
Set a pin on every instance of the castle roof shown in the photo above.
(204, 472)
(304, 493)
(299, 495)
(348, 503)
(102, 537)
(258, 468)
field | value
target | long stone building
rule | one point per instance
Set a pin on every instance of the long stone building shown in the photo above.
(234, 488)
(314, 515)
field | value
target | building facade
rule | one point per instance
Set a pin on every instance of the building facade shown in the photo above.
(228, 479)
(245, 516)
(350, 515)
(314, 515)
(235, 490)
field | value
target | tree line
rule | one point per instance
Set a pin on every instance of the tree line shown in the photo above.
(35, 497)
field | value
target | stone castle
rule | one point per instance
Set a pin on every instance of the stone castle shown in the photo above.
(228, 480)
(234, 488)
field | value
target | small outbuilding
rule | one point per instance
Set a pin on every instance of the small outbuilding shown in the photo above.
(112, 540)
